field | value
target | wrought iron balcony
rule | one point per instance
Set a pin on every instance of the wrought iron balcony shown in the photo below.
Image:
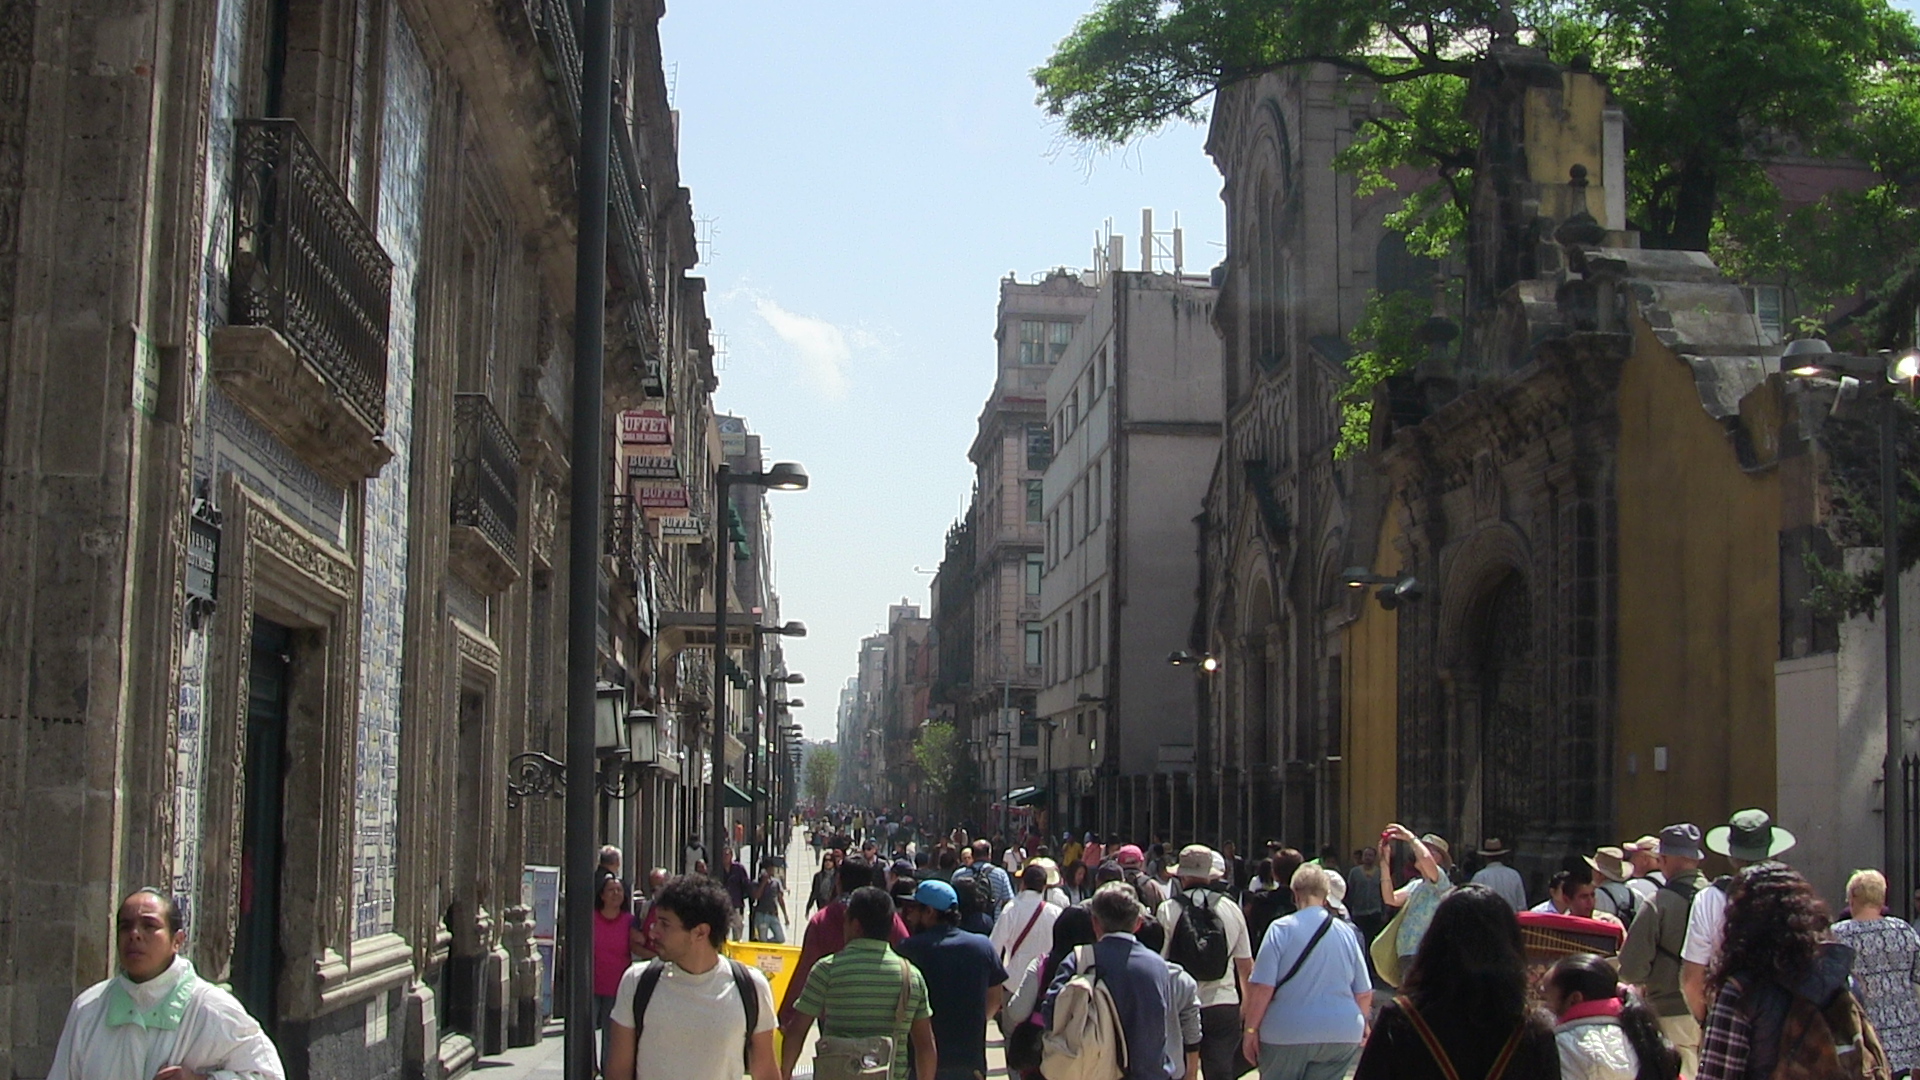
(305, 350)
(486, 493)
(623, 531)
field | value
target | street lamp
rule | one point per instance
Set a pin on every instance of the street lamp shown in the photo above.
(1864, 377)
(784, 476)
(1393, 591)
(756, 767)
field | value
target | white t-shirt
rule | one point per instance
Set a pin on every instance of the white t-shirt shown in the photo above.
(1705, 924)
(1221, 991)
(696, 1027)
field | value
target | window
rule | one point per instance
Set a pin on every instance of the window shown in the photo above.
(1066, 649)
(1053, 653)
(1058, 335)
(1769, 311)
(1029, 736)
(1033, 502)
(1100, 373)
(1086, 638)
(1033, 342)
(1093, 497)
(1097, 632)
(1069, 536)
(1053, 538)
(1033, 644)
(1029, 768)
(1036, 566)
(1073, 411)
(1039, 447)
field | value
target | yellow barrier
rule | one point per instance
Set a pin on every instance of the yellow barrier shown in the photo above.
(776, 962)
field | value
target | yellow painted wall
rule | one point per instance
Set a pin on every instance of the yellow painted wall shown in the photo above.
(1563, 130)
(1370, 701)
(1698, 619)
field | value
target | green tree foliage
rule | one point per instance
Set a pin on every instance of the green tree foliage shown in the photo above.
(1390, 329)
(823, 764)
(1712, 90)
(1853, 447)
(937, 752)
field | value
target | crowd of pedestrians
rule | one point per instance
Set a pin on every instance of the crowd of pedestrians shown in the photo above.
(1100, 959)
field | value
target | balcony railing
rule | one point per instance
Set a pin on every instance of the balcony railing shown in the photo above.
(306, 265)
(486, 486)
(623, 524)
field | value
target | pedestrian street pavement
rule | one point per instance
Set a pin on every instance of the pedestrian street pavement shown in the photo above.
(545, 1060)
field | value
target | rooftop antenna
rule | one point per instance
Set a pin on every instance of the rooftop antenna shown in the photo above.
(1161, 248)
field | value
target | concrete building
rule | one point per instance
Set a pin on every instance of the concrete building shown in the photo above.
(905, 700)
(984, 578)
(1134, 407)
(285, 299)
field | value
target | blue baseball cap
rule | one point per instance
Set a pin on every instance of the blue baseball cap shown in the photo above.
(937, 895)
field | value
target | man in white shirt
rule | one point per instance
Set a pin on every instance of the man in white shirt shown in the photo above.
(157, 1019)
(1219, 996)
(1024, 929)
(683, 1016)
(1504, 880)
(1749, 836)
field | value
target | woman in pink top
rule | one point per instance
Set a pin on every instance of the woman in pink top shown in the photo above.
(611, 951)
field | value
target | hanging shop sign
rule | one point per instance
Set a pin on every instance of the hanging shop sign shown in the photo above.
(651, 469)
(661, 496)
(685, 529)
(645, 427)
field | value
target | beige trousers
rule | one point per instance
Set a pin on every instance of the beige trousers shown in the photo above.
(1684, 1033)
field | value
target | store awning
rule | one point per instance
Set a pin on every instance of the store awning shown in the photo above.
(736, 799)
(1026, 796)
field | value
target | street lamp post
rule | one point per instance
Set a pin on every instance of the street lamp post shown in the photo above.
(757, 763)
(784, 476)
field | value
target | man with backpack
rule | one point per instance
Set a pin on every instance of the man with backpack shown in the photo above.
(1650, 958)
(1207, 935)
(1118, 1011)
(983, 888)
(692, 1014)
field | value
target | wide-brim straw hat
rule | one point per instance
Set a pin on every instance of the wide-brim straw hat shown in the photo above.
(1750, 836)
(1052, 868)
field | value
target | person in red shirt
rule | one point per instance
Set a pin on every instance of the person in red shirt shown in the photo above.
(827, 930)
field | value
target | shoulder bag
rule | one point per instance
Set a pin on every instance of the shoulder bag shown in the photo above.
(868, 1058)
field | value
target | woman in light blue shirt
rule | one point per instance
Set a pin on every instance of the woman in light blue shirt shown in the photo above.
(1306, 1009)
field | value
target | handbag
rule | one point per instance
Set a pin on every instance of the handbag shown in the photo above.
(1023, 1045)
(870, 1057)
(1385, 950)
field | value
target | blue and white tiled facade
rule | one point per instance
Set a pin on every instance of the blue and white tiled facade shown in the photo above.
(409, 91)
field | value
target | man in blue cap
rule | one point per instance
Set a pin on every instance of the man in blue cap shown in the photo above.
(963, 974)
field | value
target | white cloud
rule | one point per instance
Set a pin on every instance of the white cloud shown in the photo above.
(823, 349)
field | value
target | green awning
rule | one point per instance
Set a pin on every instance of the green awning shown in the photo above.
(736, 798)
(1026, 796)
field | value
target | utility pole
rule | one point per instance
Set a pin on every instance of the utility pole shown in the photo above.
(583, 549)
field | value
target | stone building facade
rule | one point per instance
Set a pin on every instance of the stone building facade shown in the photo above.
(285, 290)
(1282, 516)
(1134, 407)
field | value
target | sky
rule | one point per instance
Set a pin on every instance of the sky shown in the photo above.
(870, 172)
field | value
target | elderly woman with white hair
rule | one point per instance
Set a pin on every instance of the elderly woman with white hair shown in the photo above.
(1887, 964)
(1306, 1008)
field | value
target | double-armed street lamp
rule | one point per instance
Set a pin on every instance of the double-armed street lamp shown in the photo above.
(1392, 592)
(783, 476)
(1877, 377)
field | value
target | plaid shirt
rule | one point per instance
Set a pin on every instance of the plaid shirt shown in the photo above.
(1724, 1041)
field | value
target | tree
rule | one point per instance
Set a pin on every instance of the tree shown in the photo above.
(937, 752)
(823, 763)
(1712, 89)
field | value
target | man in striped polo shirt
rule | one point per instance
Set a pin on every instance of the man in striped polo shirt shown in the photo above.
(855, 993)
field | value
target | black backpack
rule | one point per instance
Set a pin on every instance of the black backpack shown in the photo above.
(976, 892)
(1200, 937)
(742, 982)
(1626, 902)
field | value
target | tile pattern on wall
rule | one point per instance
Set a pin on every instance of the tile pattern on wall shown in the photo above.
(384, 558)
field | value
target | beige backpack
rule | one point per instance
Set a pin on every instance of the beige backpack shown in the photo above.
(1085, 1041)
